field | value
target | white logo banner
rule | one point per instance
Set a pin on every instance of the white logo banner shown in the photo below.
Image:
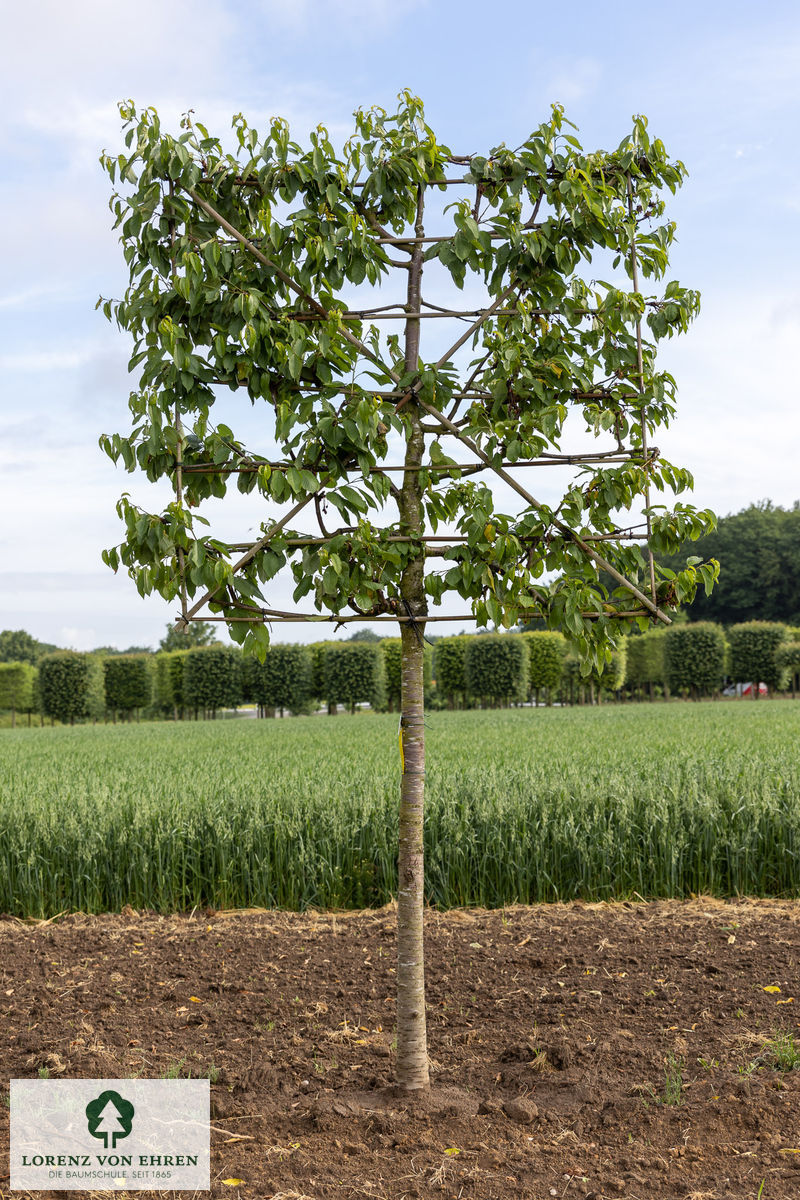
(115, 1134)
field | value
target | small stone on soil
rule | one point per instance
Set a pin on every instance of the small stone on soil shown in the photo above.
(523, 1111)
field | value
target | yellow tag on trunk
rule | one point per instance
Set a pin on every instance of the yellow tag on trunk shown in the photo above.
(400, 743)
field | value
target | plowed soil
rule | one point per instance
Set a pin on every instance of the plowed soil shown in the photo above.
(578, 1051)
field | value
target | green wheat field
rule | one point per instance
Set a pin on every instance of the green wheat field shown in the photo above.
(522, 805)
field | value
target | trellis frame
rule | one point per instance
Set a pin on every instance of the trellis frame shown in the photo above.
(649, 606)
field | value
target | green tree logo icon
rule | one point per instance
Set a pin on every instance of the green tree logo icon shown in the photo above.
(109, 1116)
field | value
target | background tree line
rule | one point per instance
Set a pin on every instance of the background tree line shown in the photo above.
(758, 550)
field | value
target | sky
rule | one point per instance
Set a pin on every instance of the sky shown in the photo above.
(719, 83)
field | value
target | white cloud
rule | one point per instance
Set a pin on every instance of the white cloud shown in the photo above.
(36, 359)
(336, 18)
(571, 80)
(77, 638)
(30, 296)
(54, 51)
(738, 426)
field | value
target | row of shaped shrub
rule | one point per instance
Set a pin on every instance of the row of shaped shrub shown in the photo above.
(498, 668)
(203, 680)
(489, 669)
(696, 658)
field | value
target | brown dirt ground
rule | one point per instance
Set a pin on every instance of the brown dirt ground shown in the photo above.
(551, 1030)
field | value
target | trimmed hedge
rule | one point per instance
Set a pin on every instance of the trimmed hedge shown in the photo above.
(576, 685)
(547, 651)
(787, 660)
(496, 667)
(63, 685)
(448, 669)
(127, 682)
(318, 686)
(283, 680)
(212, 678)
(17, 688)
(645, 662)
(694, 657)
(753, 645)
(168, 685)
(354, 674)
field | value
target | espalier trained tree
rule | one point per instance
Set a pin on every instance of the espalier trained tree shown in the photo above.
(244, 273)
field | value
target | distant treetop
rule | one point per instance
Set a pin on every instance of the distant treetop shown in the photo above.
(758, 550)
(199, 633)
(18, 646)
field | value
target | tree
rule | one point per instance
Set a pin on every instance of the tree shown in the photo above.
(283, 680)
(114, 651)
(63, 685)
(694, 658)
(212, 678)
(199, 633)
(17, 681)
(753, 646)
(364, 635)
(18, 646)
(546, 653)
(238, 263)
(128, 682)
(759, 555)
(496, 668)
(354, 674)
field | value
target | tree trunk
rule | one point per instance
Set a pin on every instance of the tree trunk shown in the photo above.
(412, 1054)
(412, 1050)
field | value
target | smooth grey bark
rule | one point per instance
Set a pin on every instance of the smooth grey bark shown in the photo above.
(412, 1047)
